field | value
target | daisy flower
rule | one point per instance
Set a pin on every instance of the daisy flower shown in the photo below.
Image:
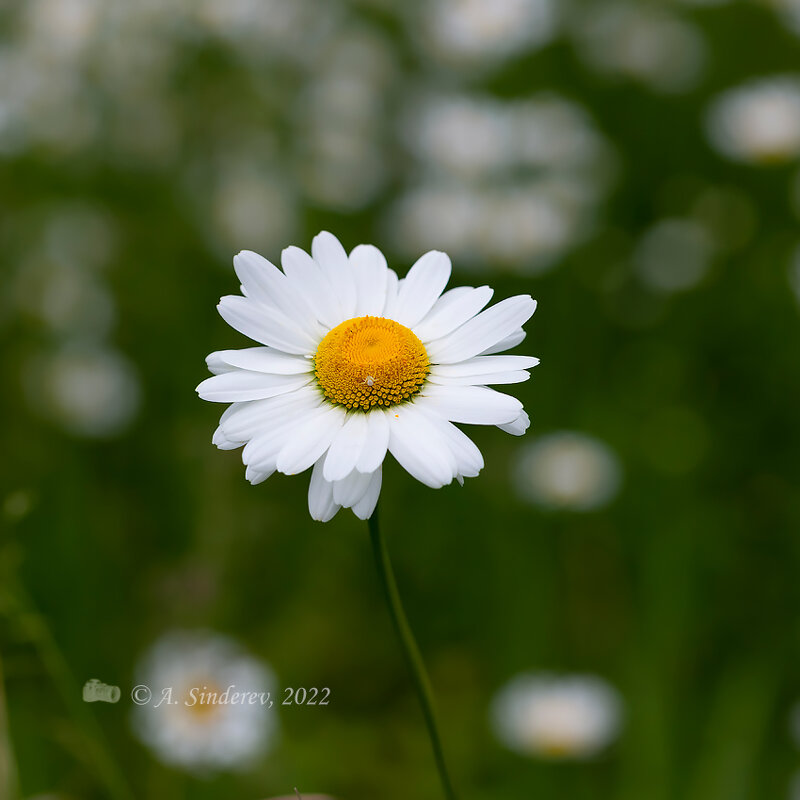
(207, 711)
(557, 716)
(354, 362)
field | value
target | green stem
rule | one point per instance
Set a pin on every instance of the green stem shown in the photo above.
(410, 649)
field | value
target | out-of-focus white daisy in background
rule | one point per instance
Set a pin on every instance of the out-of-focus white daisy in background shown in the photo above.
(788, 11)
(759, 121)
(342, 121)
(89, 390)
(474, 33)
(647, 43)
(355, 363)
(557, 716)
(524, 227)
(265, 30)
(673, 255)
(567, 470)
(512, 183)
(473, 136)
(204, 736)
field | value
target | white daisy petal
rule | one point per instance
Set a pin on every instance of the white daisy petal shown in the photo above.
(222, 441)
(518, 426)
(469, 461)
(255, 476)
(374, 450)
(421, 288)
(364, 508)
(482, 331)
(505, 344)
(266, 283)
(417, 446)
(452, 310)
(261, 452)
(347, 447)
(307, 276)
(266, 325)
(328, 252)
(244, 421)
(216, 364)
(372, 277)
(473, 405)
(232, 387)
(310, 441)
(321, 504)
(392, 289)
(517, 376)
(351, 489)
(262, 359)
(484, 365)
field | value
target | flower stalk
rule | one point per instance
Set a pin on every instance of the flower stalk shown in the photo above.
(410, 649)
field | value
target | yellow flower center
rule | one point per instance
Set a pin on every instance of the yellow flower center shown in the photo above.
(202, 700)
(370, 361)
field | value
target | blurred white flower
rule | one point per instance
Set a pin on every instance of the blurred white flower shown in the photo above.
(198, 730)
(513, 183)
(758, 122)
(646, 43)
(89, 391)
(521, 226)
(252, 208)
(463, 135)
(340, 121)
(476, 32)
(568, 470)
(263, 30)
(66, 27)
(673, 255)
(473, 136)
(555, 133)
(557, 717)
(43, 101)
(788, 11)
(528, 227)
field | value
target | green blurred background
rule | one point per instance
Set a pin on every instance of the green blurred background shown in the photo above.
(582, 153)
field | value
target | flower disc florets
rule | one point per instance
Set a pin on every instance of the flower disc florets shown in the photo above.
(370, 361)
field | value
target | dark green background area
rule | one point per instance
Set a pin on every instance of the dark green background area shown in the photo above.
(683, 593)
